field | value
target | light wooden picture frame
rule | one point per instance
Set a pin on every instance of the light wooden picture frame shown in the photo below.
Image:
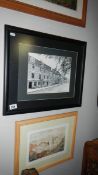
(43, 9)
(44, 142)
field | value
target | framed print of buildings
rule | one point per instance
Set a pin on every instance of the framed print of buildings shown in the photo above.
(42, 71)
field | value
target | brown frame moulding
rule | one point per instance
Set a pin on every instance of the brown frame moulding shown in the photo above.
(30, 9)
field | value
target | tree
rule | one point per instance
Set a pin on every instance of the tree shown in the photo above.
(64, 64)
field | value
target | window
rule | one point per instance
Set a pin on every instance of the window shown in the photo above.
(35, 83)
(40, 76)
(38, 83)
(32, 75)
(33, 66)
(30, 85)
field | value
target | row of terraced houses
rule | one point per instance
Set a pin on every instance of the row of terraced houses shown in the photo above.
(41, 75)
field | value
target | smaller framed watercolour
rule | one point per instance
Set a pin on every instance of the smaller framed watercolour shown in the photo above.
(42, 71)
(44, 142)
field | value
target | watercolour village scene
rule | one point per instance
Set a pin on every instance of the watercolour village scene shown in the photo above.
(46, 143)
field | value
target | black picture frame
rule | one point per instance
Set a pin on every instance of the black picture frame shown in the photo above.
(42, 72)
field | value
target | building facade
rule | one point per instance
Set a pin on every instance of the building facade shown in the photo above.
(41, 75)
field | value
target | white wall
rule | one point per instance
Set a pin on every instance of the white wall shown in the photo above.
(88, 114)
